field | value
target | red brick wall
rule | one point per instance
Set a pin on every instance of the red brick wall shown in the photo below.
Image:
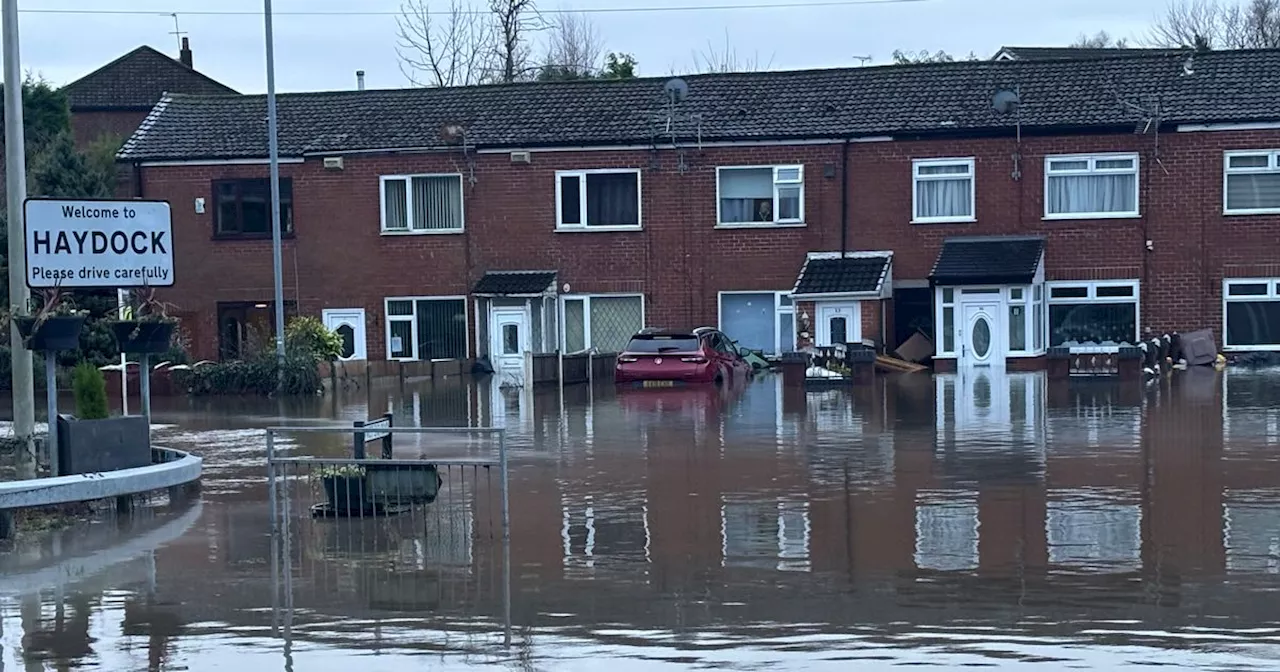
(89, 126)
(680, 261)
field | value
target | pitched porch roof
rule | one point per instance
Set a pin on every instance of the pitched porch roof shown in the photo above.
(990, 260)
(851, 275)
(515, 283)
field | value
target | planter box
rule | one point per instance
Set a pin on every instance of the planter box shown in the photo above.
(393, 484)
(91, 446)
(346, 494)
(142, 337)
(58, 332)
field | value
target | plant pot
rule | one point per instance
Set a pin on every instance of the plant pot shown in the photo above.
(56, 332)
(109, 444)
(392, 485)
(346, 494)
(151, 337)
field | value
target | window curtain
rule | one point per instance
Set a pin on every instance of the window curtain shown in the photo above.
(395, 203)
(613, 199)
(1253, 191)
(437, 203)
(1092, 193)
(750, 320)
(739, 192)
(943, 198)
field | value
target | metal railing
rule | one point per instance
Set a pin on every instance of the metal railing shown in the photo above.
(427, 508)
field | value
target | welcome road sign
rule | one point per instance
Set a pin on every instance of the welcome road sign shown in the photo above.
(98, 243)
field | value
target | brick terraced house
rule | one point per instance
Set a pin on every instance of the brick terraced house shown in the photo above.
(1108, 197)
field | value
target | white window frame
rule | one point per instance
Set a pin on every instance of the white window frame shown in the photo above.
(408, 190)
(777, 183)
(916, 178)
(586, 314)
(388, 318)
(1273, 166)
(779, 309)
(582, 198)
(1093, 169)
(1091, 296)
(1273, 294)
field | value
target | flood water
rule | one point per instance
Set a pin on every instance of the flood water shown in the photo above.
(943, 522)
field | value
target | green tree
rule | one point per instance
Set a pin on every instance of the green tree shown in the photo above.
(901, 57)
(619, 66)
(45, 114)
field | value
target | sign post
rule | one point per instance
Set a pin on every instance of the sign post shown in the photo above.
(82, 244)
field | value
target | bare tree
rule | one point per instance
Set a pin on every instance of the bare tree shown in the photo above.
(727, 59)
(1100, 40)
(1212, 24)
(456, 48)
(515, 19)
(574, 49)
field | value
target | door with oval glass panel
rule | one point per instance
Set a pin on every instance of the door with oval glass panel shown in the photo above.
(349, 324)
(982, 343)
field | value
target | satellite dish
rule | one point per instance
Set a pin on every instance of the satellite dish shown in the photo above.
(1006, 101)
(676, 89)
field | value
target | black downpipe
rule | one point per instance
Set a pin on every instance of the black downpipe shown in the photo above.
(137, 180)
(844, 199)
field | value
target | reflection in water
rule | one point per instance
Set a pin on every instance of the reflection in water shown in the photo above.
(981, 518)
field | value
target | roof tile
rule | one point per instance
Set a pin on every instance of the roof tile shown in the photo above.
(137, 80)
(888, 100)
(1007, 260)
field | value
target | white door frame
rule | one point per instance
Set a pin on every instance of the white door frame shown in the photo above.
(823, 332)
(498, 316)
(355, 317)
(971, 311)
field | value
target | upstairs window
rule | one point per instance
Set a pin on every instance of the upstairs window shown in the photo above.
(761, 195)
(422, 204)
(242, 208)
(1252, 183)
(943, 190)
(598, 199)
(1080, 187)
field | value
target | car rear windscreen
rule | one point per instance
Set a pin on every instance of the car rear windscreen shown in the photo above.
(660, 344)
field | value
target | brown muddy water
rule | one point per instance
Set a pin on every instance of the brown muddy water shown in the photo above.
(949, 522)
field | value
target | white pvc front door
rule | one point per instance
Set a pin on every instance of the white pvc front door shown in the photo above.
(982, 342)
(349, 324)
(839, 324)
(509, 339)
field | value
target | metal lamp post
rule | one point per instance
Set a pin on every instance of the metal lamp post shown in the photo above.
(273, 150)
(24, 407)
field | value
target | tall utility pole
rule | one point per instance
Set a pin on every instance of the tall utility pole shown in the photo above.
(273, 149)
(15, 165)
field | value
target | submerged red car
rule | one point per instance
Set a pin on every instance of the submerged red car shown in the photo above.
(663, 358)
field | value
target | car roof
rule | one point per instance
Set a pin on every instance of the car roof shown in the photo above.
(666, 333)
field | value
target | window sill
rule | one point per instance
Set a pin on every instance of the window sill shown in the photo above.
(763, 225)
(946, 220)
(436, 232)
(1097, 215)
(1251, 348)
(1246, 213)
(597, 229)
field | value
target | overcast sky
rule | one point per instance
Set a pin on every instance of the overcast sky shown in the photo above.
(323, 52)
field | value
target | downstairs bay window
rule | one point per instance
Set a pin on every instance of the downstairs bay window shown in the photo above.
(760, 321)
(426, 328)
(1252, 313)
(1102, 313)
(603, 322)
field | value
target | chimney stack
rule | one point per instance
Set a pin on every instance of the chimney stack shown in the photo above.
(360, 80)
(184, 54)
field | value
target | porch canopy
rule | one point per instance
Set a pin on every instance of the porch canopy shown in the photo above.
(516, 283)
(988, 260)
(851, 275)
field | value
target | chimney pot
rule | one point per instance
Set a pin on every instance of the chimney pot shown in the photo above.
(184, 54)
(360, 80)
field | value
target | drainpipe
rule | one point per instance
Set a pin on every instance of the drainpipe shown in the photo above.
(844, 198)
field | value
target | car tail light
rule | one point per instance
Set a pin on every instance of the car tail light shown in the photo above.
(627, 360)
(694, 360)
